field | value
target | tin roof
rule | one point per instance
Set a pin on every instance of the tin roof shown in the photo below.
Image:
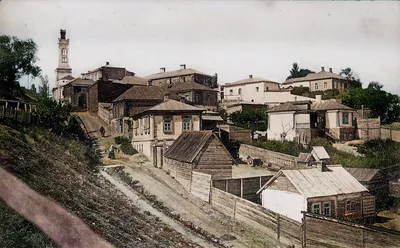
(81, 82)
(249, 81)
(328, 105)
(364, 174)
(142, 93)
(186, 86)
(314, 76)
(168, 74)
(285, 107)
(320, 152)
(316, 183)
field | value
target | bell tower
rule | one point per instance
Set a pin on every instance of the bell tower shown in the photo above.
(63, 68)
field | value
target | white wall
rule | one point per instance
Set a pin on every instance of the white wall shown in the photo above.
(279, 123)
(273, 98)
(285, 203)
(249, 92)
(303, 120)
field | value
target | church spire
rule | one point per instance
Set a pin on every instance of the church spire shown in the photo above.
(63, 68)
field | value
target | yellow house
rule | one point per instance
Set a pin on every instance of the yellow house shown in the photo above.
(157, 127)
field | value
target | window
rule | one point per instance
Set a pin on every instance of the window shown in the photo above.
(167, 124)
(147, 125)
(64, 59)
(345, 118)
(186, 123)
(316, 208)
(239, 91)
(64, 52)
(231, 92)
(257, 89)
(267, 88)
(327, 208)
(316, 86)
(325, 85)
(350, 206)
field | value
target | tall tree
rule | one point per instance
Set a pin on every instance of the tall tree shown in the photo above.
(17, 58)
(44, 89)
(297, 72)
(352, 79)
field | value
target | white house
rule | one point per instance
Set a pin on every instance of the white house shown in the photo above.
(323, 190)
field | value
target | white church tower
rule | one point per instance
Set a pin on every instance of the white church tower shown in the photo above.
(63, 71)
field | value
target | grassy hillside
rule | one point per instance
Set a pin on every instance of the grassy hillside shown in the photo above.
(64, 170)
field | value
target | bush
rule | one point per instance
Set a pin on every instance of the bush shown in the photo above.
(286, 147)
(126, 145)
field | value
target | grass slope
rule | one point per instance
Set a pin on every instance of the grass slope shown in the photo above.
(59, 169)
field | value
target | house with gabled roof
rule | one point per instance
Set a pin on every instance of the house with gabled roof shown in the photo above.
(75, 92)
(320, 81)
(200, 151)
(155, 128)
(324, 190)
(182, 75)
(303, 120)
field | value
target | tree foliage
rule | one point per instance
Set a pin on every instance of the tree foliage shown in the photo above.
(44, 89)
(352, 79)
(17, 58)
(381, 103)
(285, 146)
(251, 118)
(297, 72)
(33, 88)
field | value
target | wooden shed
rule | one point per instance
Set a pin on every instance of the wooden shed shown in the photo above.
(200, 151)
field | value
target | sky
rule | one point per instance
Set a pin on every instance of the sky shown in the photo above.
(232, 38)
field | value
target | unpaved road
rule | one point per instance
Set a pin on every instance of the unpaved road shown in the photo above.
(156, 182)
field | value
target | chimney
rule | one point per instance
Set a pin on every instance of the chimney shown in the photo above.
(107, 63)
(330, 70)
(162, 69)
(318, 98)
(183, 66)
(63, 33)
(250, 76)
(322, 68)
(322, 166)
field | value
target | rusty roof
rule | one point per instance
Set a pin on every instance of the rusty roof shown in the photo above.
(142, 93)
(317, 183)
(189, 144)
(175, 73)
(364, 174)
(249, 81)
(285, 107)
(328, 105)
(186, 86)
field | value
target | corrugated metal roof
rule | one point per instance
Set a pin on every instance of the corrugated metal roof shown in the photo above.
(180, 72)
(285, 107)
(363, 174)
(320, 152)
(186, 147)
(329, 105)
(314, 182)
(249, 81)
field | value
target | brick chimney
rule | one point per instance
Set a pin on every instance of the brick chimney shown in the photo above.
(322, 166)
(162, 69)
(250, 76)
(322, 68)
(330, 70)
(183, 66)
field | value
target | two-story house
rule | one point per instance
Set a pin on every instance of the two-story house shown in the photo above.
(107, 72)
(182, 75)
(195, 94)
(320, 81)
(157, 127)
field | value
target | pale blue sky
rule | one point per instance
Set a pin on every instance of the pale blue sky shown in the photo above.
(232, 38)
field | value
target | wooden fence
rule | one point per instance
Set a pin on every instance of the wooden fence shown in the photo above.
(320, 231)
(269, 158)
(242, 187)
(23, 116)
(201, 185)
(284, 229)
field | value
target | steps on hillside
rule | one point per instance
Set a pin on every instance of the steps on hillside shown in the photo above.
(93, 123)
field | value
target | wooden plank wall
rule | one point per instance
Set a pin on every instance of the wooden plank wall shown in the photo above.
(17, 115)
(326, 232)
(276, 159)
(201, 185)
(272, 224)
(242, 187)
(182, 172)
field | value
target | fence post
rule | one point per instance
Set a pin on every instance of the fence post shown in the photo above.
(362, 238)
(303, 231)
(241, 188)
(278, 226)
(234, 208)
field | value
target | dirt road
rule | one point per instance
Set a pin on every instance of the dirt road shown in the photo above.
(156, 182)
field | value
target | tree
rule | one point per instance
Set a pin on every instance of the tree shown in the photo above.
(297, 72)
(252, 118)
(33, 88)
(17, 58)
(44, 89)
(352, 79)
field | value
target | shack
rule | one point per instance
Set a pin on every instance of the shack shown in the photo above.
(200, 151)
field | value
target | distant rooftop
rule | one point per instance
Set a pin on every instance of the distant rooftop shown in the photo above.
(315, 76)
(168, 74)
(249, 80)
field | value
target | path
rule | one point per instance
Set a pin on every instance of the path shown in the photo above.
(145, 206)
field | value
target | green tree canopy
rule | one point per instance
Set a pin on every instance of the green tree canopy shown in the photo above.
(17, 58)
(44, 89)
(352, 79)
(297, 72)
(252, 118)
